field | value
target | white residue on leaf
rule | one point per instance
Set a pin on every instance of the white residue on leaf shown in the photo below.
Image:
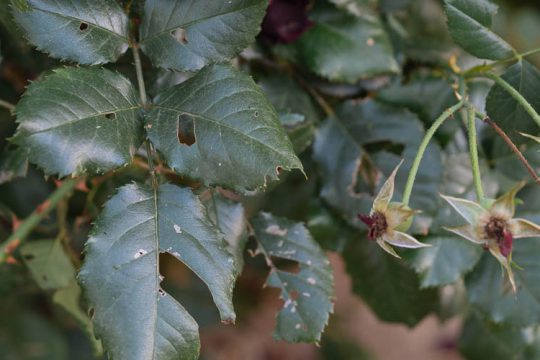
(280, 243)
(177, 229)
(176, 254)
(274, 229)
(311, 281)
(140, 253)
(306, 294)
(288, 252)
(297, 326)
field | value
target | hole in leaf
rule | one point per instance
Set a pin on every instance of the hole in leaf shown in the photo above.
(283, 264)
(83, 26)
(256, 114)
(111, 116)
(184, 285)
(185, 130)
(91, 313)
(180, 35)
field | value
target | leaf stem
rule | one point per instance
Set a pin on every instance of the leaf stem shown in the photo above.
(473, 150)
(483, 68)
(26, 227)
(513, 147)
(140, 77)
(515, 94)
(421, 150)
(7, 105)
(144, 101)
(529, 53)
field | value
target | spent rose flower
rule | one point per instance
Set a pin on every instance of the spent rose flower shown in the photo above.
(386, 217)
(285, 21)
(494, 227)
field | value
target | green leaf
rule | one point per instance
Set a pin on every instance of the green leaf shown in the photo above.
(69, 298)
(343, 47)
(219, 128)
(230, 218)
(296, 110)
(351, 175)
(85, 32)
(52, 269)
(187, 35)
(79, 120)
(308, 294)
(134, 317)
(13, 164)
(506, 111)
(480, 340)
(389, 287)
(49, 265)
(417, 96)
(445, 261)
(469, 22)
(489, 292)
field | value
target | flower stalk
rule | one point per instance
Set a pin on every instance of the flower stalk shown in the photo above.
(473, 150)
(423, 146)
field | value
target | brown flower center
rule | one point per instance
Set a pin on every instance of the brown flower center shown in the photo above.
(376, 224)
(496, 229)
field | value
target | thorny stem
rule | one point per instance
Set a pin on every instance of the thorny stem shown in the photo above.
(421, 150)
(26, 227)
(7, 105)
(515, 94)
(473, 150)
(513, 147)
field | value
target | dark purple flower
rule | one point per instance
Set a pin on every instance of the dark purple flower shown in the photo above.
(285, 21)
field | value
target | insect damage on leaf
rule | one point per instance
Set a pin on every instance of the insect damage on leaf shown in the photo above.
(180, 35)
(185, 129)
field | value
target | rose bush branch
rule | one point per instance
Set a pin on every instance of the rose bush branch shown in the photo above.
(27, 225)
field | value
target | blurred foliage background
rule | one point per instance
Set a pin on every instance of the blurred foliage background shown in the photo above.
(32, 326)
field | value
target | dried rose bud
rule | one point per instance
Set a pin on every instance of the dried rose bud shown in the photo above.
(385, 217)
(494, 227)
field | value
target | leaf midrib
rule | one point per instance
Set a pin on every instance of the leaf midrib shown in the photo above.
(189, 23)
(85, 21)
(220, 124)
(500, 40)
(71, 122)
